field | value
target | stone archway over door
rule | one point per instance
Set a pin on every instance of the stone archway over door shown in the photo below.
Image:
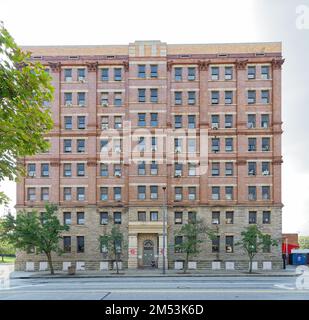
(148, 253)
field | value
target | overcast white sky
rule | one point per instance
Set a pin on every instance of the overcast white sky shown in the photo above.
(196, 21)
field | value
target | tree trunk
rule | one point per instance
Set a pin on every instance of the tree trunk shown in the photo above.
(250, 264)
(116, 260)
(2, 257)
(50, 263)
(185, 268)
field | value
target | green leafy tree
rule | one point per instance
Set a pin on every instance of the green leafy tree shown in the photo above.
(24, 87)
(29, 230)
(304, 242)
(253, 240)
(193, 234)
(113, 243)
(6, 247)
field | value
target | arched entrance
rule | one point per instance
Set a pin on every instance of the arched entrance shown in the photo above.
(148, 253)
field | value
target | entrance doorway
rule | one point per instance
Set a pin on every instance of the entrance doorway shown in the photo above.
(148, 253)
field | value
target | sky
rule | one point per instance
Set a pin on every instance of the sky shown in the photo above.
(198, 21)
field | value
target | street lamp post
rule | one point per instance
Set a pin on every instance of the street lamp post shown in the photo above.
(164, 229)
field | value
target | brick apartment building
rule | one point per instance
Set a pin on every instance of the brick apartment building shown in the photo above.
(202, 121)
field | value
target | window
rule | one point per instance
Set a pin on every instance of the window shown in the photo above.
(266, 192)
(178, 98)
(141, 95)
(191, 217)
(229, 217)
(214, 73)
(251, 168)
(67, 193)
(68, 99)
(252, 193)
(81, 74)
(265, 96)
(215, 169)
(178, 145)
(214, 97)
(117, 145)
(229, 169)
(103, 193)
(178, 121)
(228, 97)
(80, 145)
(141, 144)
(154, 192)
(68, 75)
(229, 193)
(178, 193)
(154, 216)
(265, 168)
(81, 99)
(267, 244)
(154, 143)
(104, 74)
(215, 217)
(215, 121)
(265, 72)
(154, 95)
(68, 123)
(228, 144)
(251, 98)
(154, 119)
(141, 191)
(252, 217)
(117, 74)
(141, 216)
(31, 170)
(103, 170)
(80, 169)
(141, 71)
(178, 74)
(215, 144)
(117, 122)
(251, 144)
(104, 145)
(229, 244)
(265, 144)
(80, 193)
(104, 218)
(192, 193)
(191, 97)
(44, 194)
(191, 73)
(104, 99)
(265, 121)
(153, 71)
(215, 246)
(191, 121)
(117, 170)
(81, 122)
(251, 72)
(215, 193)
(67, 219)
(228, 73)
(178, 169)
(178, 243)
(154, 168)
(178, 217)
(251, 121)
(118, 99)
(191, 169)
(228, 121)
(141, 168)
(80, 218)
(80, 244)
(45, 170)
(266, 217)
(67, 145)
(67, 244)
(117, 217)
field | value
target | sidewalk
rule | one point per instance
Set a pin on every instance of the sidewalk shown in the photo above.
(290, 271)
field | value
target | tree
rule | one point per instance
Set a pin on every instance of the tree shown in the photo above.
(5, 247)
(24, 87)
(304, 242)
(113, 243)
(193, 235)
(29, 230)
(252, 240)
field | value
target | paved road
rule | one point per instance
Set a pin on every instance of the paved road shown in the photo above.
(180, 288)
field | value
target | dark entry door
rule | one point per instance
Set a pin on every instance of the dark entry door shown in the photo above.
(148, 253)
